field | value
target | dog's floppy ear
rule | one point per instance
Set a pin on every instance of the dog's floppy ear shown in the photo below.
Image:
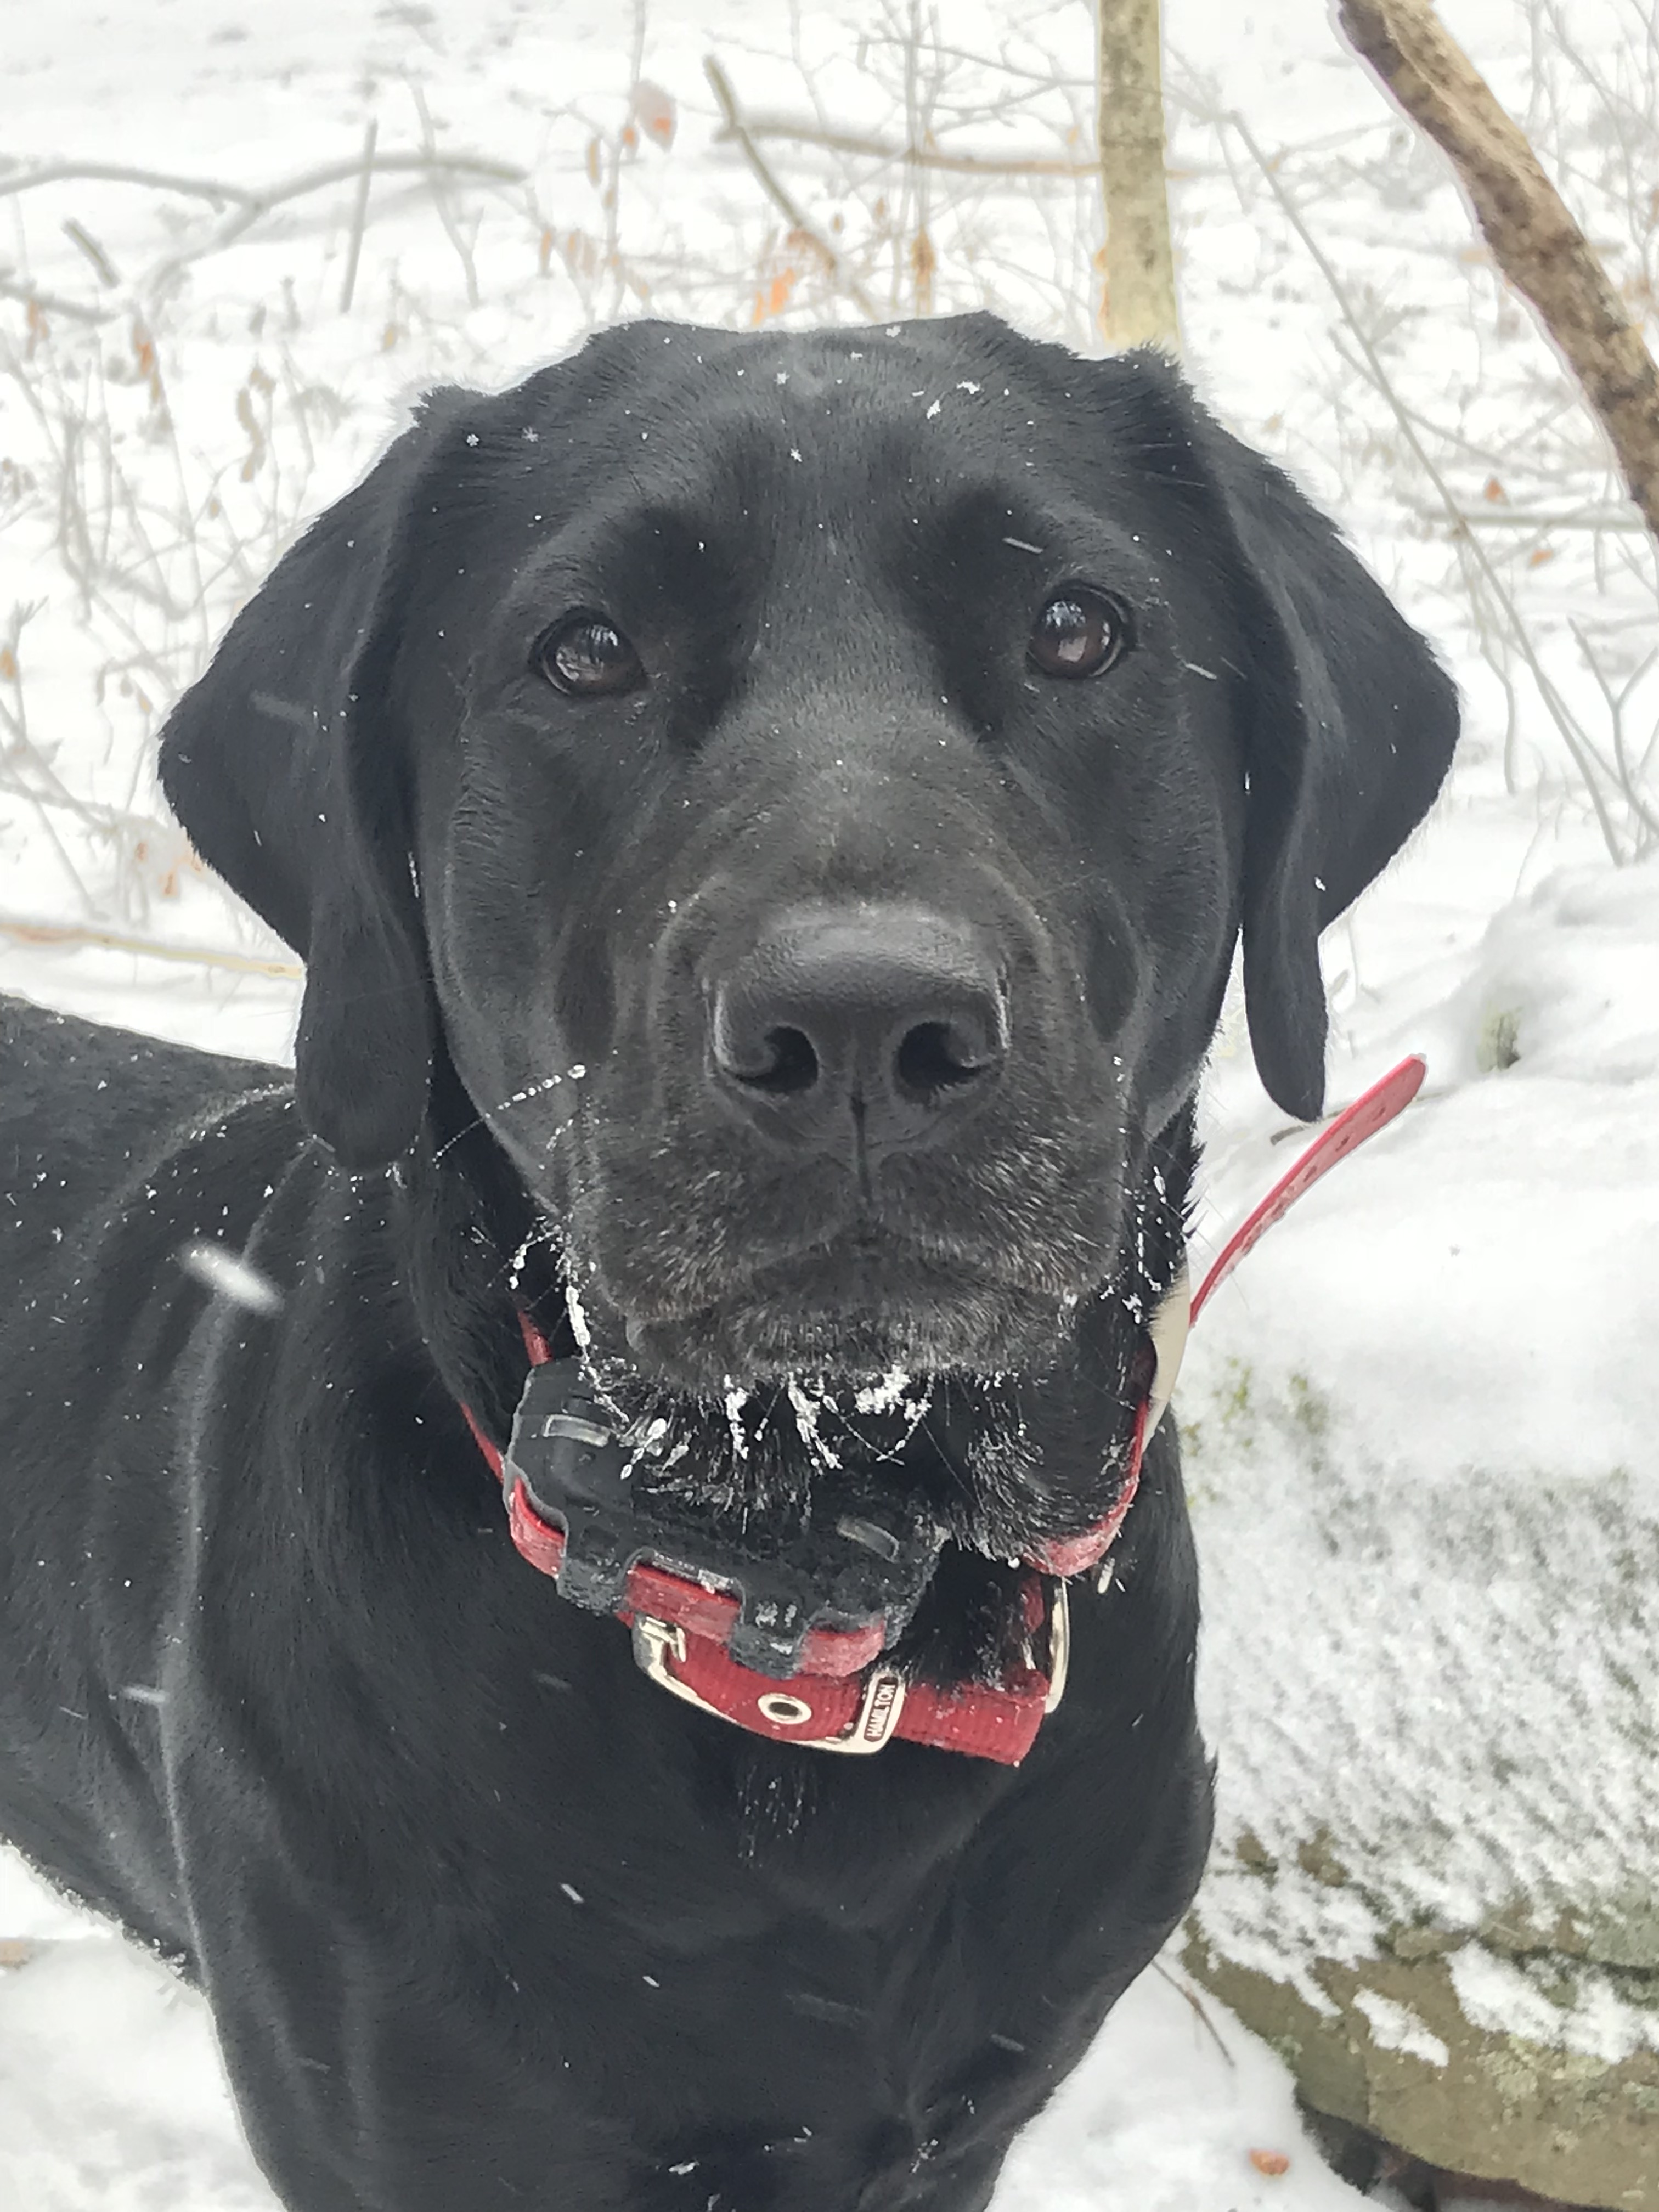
(1352, 724)
(282, 764)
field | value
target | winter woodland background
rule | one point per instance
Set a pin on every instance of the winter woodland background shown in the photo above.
(1421, 1424)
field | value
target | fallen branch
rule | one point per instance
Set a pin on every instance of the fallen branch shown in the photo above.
(1533, 239)
(798, 130)
(259, 200)
(1522, 518)
(113, 940)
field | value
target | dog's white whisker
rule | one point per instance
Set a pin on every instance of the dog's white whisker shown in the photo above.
(487, 1114)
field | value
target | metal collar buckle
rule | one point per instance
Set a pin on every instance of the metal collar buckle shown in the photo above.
(656, 1640)
(1060, 1645)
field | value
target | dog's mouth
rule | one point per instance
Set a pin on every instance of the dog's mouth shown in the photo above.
(852, 1312)
(957, 1389)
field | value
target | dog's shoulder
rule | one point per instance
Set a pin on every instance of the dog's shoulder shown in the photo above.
(84, 1107)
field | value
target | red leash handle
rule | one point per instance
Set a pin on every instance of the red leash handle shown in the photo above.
(1371, 1112)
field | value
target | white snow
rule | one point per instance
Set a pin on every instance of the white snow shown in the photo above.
(1421, 1417)
(230, 1275)
(1396, 2027)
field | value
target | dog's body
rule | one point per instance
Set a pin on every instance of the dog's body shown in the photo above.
(778, 966)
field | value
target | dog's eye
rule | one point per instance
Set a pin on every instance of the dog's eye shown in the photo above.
(1079, 633)
(586, 657)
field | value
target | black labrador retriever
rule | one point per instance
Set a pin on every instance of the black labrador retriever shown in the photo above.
(768, 820)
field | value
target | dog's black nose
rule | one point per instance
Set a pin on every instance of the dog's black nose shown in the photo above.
(888, 1015)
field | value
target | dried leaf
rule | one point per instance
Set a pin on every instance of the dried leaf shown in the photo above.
(923, 261)
(1540, 554)
(653, 110)
(1494, 492)
(1270, 2162)
(773, 297)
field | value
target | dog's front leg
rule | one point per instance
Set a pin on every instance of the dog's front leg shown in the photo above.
(374, 2072)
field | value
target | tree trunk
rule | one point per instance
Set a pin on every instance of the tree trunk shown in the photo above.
(1533, 238)
(1138, 306)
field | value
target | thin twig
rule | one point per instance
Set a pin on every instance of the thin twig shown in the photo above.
(52, 303)
(359, 217)
(79, 235)
(1181, 1988)
(788, 207)
(440, 199)
(1629, 776)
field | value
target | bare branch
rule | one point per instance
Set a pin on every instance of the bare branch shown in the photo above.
(1532, 237)
(788, 207)
(359, 217)
(1593, 772)
(80, 236)
(52, 303)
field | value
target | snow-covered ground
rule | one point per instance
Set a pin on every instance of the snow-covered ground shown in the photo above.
(1471, 1300)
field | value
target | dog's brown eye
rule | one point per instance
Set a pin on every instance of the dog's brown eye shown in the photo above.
(1079, 633)
(587, 658)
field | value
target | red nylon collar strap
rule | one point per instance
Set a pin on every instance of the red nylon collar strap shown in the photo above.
(843, 1699)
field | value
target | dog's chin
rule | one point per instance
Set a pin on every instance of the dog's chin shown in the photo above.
(756, 1336)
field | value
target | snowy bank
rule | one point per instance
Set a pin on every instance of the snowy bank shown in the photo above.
(1420, 1431)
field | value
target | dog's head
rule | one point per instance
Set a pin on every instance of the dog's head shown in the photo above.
(809, 789)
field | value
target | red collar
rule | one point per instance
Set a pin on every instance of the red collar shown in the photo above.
(843, 1698)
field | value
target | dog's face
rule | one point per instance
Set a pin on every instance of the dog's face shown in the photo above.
(808, 750)
(809, 788)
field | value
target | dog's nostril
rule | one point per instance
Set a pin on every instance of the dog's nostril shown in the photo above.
(937, 1056)
(791, 1065)
(774, 1057)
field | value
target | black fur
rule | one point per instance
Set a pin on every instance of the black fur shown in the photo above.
(484, 1917)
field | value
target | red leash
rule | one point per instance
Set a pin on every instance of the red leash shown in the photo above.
(1371, 1112)
(842, 1698)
